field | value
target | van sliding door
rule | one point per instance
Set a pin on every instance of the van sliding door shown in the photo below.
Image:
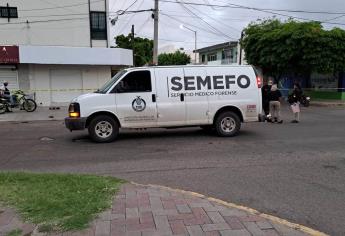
(196, 87)
(171, 106)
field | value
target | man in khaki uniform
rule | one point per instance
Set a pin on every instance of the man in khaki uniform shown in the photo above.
(275, 98)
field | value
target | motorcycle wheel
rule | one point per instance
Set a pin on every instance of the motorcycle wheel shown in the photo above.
(2, 108)
(29, 105)
(306, 103)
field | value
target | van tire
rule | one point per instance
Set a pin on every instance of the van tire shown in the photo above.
(227, 124)
(103, 129)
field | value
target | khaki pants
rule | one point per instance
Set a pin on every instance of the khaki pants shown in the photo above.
(275, 110)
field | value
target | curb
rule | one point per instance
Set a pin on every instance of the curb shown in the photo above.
(326, 104)
(275, 219)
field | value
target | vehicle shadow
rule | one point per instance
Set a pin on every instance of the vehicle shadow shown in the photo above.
(166, 134)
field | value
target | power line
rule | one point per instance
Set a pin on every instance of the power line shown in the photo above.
(65, 19)
(44, 21)
(265, 11)
(212, 27)
(194, 26)
(143, 25)
(219, 22)
(64, 6)
(132, 15)
(230, 5)
(179, 41)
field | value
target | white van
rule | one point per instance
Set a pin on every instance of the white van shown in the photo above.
(212, 97)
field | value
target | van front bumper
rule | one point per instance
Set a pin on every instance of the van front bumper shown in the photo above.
(75, 123)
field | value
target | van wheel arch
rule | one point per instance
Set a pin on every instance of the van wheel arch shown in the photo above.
(100, 113)
(234, 109)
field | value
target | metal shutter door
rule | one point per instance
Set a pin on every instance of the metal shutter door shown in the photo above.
(11, 76)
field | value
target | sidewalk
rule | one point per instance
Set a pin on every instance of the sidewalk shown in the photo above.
(152, 210)
(41, 113)
(327, 103)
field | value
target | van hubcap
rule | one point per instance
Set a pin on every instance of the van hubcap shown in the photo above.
(228, 124)
(103, 129)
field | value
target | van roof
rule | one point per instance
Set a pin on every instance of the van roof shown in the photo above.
(186, 66)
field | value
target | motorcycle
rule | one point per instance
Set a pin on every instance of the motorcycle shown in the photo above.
(305, 101)
(21, 101)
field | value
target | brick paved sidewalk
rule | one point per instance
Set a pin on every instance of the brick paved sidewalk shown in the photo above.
(149, 210)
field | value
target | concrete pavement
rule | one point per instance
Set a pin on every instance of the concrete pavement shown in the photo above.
(41, 113)
(293, 171)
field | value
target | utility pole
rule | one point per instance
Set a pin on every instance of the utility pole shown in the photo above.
(195, 47)
(155, 34)
(242, 34)
(132, 39)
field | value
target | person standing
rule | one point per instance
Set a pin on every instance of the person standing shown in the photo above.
(5, 93)
(265, 91)
(295, 100)
(275, 98)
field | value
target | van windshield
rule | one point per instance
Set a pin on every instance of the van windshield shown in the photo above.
(111, 82)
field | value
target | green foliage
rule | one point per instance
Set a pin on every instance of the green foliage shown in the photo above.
(176, 58)
(294, 47)
(57, 202)
(15, 232)
(142, 48)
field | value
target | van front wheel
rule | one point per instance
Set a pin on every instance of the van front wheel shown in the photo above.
(103, 129)
(227, 124)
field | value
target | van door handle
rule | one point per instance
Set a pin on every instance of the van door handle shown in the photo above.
(153, 97)
(182, 97)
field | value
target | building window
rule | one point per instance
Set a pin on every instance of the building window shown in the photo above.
(203, 58)
(226, 54)
(8, 12)
(98, 25)
(212, 57)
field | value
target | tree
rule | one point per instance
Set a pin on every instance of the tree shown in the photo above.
(294, 47)
(142, 48)
(176, 58)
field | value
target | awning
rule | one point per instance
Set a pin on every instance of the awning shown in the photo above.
(75, 56)
(9, 55)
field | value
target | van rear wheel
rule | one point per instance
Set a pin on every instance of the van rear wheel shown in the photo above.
(227, 124)
(103, 129)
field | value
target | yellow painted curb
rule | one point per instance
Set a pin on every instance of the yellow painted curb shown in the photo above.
(275, 219)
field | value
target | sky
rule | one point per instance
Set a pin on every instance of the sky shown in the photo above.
(215, 24)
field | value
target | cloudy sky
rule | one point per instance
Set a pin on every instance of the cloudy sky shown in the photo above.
(215, 24)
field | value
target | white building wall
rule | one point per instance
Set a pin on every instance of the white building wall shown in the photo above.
(65, 25)
(92, 77)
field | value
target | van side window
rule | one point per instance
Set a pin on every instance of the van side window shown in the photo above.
(136, 81)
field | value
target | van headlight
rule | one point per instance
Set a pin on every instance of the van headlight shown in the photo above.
(74, 110)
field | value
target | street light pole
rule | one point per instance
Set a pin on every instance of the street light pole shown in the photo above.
(195, 39)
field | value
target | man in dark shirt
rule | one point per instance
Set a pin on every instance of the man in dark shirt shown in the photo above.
(265, 91)
(275, 97)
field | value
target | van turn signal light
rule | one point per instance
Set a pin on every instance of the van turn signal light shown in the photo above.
(74, 114)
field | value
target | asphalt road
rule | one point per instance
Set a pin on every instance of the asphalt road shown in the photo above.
(294, 171)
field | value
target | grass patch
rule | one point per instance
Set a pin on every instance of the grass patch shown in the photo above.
(15, 232)
(57, 202)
